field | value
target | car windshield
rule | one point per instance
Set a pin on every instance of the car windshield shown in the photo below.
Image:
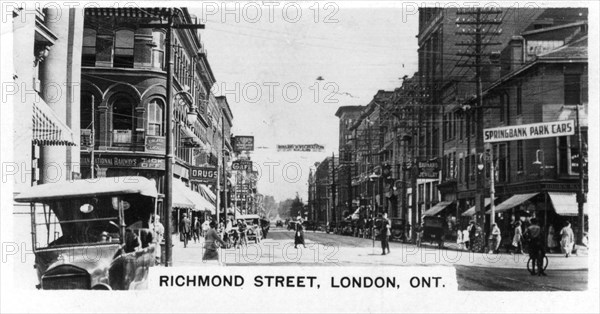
(85, 221)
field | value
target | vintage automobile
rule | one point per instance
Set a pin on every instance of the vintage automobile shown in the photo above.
(434, 230)
(279, 223)
(93, 234)
(399, 230)
(254, 230)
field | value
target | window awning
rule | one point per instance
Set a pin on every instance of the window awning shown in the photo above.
(565, 203)
(208, 194)
(436, 209)
(513, 201)
(471, 211)
(190, 138)
(180, 198)
(48, 128)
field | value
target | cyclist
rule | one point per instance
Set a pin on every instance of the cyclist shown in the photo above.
(537, 252)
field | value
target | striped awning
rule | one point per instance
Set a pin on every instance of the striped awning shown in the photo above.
(436, 209)
(471, 211)
(48, 128)
(513, 201)
(565, 203)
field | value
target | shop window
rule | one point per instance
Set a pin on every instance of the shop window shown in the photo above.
(155, 117)
(122, 120)
(88, 49)
(124, 44)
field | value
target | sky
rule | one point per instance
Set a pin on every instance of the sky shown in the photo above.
(267, 61)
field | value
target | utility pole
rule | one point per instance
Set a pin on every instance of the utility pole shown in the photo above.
(581, 192)
(332, 187)
(477, 24)
(92, 138)
(168, 179)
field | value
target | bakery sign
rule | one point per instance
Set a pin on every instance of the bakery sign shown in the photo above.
(203, 173)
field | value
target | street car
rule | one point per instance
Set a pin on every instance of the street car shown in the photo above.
(107, 219)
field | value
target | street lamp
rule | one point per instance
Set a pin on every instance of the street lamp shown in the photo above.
(372, 178)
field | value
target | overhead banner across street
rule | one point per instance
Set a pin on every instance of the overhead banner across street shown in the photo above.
(529, 131)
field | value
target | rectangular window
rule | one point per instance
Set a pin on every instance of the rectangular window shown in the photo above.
(572, 89)
(88, 48)
(461, 170)
(124, 45)
(519, 99)
(520, 157)
(467, 168)
(502, 108)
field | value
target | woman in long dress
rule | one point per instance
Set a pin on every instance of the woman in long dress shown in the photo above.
(551, 242)
(210, 243)
(567, 238)
(299, 236)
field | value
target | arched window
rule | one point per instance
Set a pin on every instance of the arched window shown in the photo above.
(122, 120)
(155, 117)
(123, 49)
(88, 53)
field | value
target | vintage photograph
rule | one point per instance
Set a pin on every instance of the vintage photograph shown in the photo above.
(141, 138)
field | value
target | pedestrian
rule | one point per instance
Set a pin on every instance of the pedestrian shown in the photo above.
(459, 239)
(185, 230)
(419, 230)
(210, 243)
(472, 230)
(536, 246)
(567, 238)
(242, 232)
(159, 231)
(205, 227)
(196, 229)
(477, 239)
(551, 242)
(299, 235)
(385, 234)
(497, 238)
(466, 239)
(517, 242)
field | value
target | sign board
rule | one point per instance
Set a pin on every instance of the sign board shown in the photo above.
(243, 143)
(155, 144)
(133, 162)
(203, 173)
(428, 169)
(529, 131)
(241, 165)
(300, 148)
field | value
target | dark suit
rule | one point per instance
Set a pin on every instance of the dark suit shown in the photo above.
(186, 229)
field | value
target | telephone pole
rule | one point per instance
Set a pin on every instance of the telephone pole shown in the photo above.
(477, 23)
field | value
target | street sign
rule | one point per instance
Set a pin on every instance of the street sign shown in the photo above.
(529, 131)
(243, 143)
(203, 173)
(240, 165)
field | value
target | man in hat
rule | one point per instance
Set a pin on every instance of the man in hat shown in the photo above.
(186, 229)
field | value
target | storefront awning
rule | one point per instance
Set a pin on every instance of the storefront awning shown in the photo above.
(513, 201)
(436, 209)
(48, 128)
(208, 194)
(565, 203)
(471, 211)
(180, 199)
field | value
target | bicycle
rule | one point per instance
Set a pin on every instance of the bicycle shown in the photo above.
(532, 264)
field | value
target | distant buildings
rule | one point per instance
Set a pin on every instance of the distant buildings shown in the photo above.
(537, 72)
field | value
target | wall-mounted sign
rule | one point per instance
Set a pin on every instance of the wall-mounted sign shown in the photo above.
(243, 143)
(428, 169)
(529, 131)
(300, 148)
(155, 144)
(240, 165)
(133, 162)
(203, 173)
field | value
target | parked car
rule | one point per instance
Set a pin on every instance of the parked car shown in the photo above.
(109, 218)
(434, 230)
(279, 223)
(254, 229)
